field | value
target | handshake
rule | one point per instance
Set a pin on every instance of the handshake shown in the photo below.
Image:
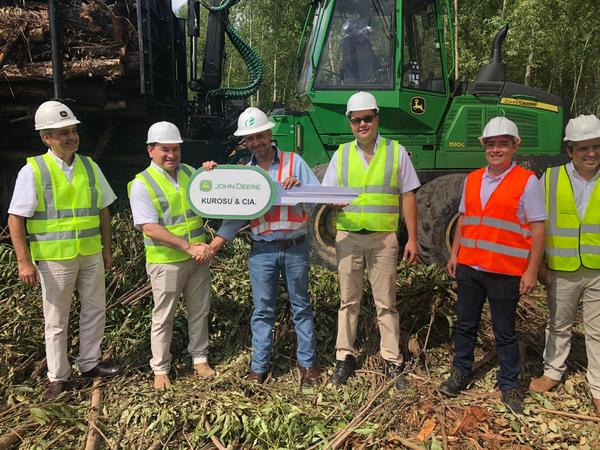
(201, 253)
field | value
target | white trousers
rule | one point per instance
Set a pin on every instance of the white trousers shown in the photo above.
(565, 291)
(59, 279)
(168, 282)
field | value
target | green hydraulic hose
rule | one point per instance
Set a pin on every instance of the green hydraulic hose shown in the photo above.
(249, 55)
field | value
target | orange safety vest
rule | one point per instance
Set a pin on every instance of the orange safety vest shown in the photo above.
(492, 238)
(281, 218)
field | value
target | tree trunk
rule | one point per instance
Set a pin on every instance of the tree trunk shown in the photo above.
(456, 40)
(275, 78)
(529, 67)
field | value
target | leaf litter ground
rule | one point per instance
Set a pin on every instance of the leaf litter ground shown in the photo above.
(228, 412)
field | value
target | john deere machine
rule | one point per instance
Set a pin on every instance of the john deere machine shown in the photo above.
(400, 50)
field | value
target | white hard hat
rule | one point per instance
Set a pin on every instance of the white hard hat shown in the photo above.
(251, 121)
(163, 133)
(500, 126)
(360, 101)
(582, 128)
(52, 115)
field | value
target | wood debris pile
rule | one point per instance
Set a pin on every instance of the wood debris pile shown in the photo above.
(98, 39)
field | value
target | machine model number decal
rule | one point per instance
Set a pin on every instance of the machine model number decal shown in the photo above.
(528, 104)
(417, 105)
(456, 144)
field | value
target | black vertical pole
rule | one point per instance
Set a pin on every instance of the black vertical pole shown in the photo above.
(56, 48)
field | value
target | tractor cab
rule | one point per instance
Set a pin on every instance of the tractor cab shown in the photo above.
(392, 49)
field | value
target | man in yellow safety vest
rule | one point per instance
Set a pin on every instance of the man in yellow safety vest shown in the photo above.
(176, 255)
(381, 169)
(62, 199)
(572, 270)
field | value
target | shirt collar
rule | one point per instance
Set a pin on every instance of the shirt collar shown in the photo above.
(499, 177)
(275, 160)
(60, 162)
(375, 147)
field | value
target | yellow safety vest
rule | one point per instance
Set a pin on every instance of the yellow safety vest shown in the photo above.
(174, 213)
(377, 208)
(66, 222)
(570, 242)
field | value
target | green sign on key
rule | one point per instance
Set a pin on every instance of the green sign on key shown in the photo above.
(231, 192)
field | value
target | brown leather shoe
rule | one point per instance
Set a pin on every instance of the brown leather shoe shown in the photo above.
(203, 370)
(597, 403)
(310, 376)
(256, 377)
(161, 382)
(543, 384)
(55, 388)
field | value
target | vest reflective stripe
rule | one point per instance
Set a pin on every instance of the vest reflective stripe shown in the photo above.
(66, 222)
(502, 249)
(59, 235)
(492, 238)
(193, 234)
(378, 205)
(497, 223)
(174, 214)
(570, 241)
(373, 209)
(381, 190)
(562, 252)
(497, 248)
(281, 218)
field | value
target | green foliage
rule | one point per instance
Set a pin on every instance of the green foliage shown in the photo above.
(550, 45)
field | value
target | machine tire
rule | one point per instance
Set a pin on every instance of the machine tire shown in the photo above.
(437, 209)
(321, 230)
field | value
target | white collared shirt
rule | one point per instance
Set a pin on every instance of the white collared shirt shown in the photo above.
(142, 208)
(407, 176)
(532, 204)
(24, 200)
(582, 188)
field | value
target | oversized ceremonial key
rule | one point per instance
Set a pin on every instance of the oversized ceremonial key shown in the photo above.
(314, 194)
(247, 192)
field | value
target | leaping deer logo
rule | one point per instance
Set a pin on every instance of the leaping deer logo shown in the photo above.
(417, 105)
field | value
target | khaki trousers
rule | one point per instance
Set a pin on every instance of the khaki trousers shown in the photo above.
(58, 280)
(380, 253)
(565, 290)
(168, 282)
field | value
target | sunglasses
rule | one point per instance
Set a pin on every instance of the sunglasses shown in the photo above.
(366, 119)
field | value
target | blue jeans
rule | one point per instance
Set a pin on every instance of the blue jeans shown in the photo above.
(502, 292)
(265, 263)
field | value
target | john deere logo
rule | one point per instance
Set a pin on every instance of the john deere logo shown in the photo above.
(250, 122)
(205, 185)
(64, 114)
(417, 105)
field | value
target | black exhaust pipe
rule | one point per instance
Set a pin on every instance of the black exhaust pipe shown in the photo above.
(495, 70)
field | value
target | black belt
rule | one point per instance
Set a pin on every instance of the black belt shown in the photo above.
(364, 231)
(282, 243)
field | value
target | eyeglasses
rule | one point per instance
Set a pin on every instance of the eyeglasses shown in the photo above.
(366, 119)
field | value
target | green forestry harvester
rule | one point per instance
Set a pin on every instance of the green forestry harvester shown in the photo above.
(396, 49)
